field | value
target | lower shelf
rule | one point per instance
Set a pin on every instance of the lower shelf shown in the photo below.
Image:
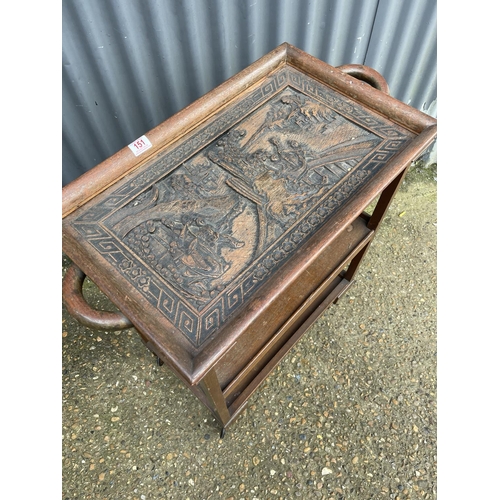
(237, 374)
(239, 403)
(240, 389)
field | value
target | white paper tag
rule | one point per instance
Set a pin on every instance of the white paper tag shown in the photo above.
(140, 145)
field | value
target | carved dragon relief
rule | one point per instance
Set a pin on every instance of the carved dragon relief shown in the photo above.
(202, 225)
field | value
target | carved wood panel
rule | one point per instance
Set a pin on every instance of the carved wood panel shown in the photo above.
(207, 223)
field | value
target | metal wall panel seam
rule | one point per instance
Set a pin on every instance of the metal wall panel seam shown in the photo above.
(127, 66)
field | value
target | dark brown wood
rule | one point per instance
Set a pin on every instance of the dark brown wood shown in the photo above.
(339, 289)
(246, 357)
(352, 87)
(93, 182)
(80, 309)
(374, 221)
(385, 200)
(255, 366)
(367, 75)
(211, 387)
(245, 220)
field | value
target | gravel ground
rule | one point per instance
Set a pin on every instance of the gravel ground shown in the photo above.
(349, 414)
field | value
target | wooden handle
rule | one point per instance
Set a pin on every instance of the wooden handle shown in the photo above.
(79, 308)
(367, 75)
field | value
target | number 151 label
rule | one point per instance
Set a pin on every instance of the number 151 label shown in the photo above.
(140, 145)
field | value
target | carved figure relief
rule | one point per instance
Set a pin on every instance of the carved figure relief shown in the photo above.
(186, 227)
(205, 224)
(201, 225)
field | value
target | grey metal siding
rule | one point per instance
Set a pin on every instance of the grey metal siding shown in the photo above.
(403, 49)
(130, 64)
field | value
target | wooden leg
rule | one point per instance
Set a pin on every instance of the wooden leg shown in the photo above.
(211, 387)
(355, 263)
(385, 200)
(378, 214)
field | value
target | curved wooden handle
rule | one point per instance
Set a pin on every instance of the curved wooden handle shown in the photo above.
(367, 75)
(79, 308)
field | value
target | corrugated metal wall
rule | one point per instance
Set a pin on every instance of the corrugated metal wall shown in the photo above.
(128, 65)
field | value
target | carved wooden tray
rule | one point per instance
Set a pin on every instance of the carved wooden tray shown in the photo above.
(192, 239)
